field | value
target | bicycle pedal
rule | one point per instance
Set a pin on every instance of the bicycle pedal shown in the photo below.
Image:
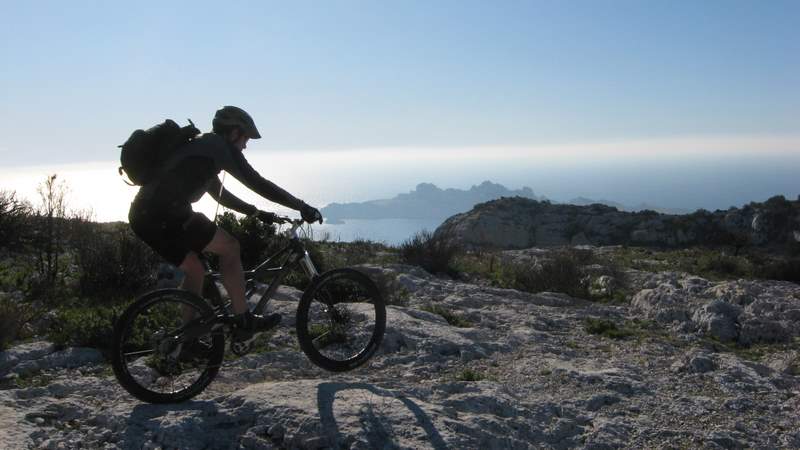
(241, 348)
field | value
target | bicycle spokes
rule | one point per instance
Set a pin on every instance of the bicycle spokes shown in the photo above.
(341, 319)
(164, 349)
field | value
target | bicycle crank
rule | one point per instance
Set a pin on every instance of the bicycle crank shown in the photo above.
(241, 348)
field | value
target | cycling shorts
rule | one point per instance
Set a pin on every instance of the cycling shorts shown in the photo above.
(172, 232)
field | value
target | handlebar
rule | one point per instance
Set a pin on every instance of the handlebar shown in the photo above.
(283, 219)
(296, 223)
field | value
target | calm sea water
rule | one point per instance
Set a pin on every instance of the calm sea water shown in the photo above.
(389, 231)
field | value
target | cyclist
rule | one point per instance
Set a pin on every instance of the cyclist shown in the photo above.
(161, 213)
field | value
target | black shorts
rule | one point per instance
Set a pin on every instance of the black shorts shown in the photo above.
(172, 232)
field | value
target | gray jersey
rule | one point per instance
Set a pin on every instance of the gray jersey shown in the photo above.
(194, 169)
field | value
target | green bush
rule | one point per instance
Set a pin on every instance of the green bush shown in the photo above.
(782, 270)
(256, 239)
(433, 252)
(14, 220)
(470, 375)
(722, 265)
(13, 317)
(111, 261)
(561, 272)
(16, 274)
(297, 278)
(606, 328)
(451, 317)
(84, 326)
(359, 251)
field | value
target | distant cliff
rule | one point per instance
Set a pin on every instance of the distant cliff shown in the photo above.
(425, 202)
(509, 223)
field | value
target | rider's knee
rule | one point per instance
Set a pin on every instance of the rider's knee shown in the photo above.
(192, 265)
(232, 246)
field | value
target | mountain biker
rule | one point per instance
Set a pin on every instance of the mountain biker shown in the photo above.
(161, 213)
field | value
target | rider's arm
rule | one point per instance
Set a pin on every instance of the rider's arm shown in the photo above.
(244, 172)
(229, 200)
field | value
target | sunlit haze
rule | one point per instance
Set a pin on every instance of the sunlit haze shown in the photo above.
(709, 173)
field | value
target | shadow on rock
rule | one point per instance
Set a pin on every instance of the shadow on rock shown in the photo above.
(373, 415)
(182, 425)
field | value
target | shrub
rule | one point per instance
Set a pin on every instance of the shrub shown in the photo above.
(451, 317)
(84, 326)
(782, 270)
(470, 375)
(13, 317)
(256, 238)
(720, 264)
(432, 252)
(605, 328)
(359, 251)
(562, 272)
(259, 240)
(14, 219)
(297, 278)
(111, 262)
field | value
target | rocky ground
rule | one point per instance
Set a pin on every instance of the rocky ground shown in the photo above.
(698, 364)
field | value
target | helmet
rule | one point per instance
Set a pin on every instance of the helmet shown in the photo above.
(231, 116)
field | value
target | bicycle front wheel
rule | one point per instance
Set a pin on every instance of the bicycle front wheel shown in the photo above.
(341, 320)
(153, 356)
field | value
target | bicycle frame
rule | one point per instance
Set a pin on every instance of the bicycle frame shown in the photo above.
(295, 253)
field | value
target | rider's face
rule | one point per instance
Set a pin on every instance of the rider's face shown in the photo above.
(241, 143)
(239, 139)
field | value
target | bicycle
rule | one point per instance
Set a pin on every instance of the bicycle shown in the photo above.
(341, 319)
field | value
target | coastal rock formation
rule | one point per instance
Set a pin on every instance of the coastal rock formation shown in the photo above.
(517, 222)
(426, 201)
(520, 371)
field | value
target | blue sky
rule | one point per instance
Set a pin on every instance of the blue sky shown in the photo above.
(78, 76)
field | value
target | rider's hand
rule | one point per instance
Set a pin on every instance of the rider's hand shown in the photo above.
(310, 214)
(267, 217)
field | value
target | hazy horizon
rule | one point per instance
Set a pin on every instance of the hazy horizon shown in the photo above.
(710, 179)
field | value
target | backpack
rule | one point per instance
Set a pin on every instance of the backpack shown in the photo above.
(144, 153)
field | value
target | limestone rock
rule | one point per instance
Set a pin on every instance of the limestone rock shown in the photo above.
(719, 319)
(510, 223)
(23, 353)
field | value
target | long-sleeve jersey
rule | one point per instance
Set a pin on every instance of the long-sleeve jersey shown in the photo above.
(194, 169)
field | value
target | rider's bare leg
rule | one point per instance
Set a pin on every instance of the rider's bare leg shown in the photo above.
(230, 266)
(194, 271)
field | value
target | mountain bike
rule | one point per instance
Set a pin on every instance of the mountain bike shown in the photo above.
(341, 319)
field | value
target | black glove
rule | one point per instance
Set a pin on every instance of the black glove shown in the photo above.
(267, 217)
(310, 214)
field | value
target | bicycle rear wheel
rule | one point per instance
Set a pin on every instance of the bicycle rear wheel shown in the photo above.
(341, 319)
(151, 353)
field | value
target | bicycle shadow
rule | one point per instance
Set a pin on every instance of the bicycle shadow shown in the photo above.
(146, 417)
(380, 434)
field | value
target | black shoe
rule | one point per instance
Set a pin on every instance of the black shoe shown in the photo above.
(194, 350)
(248, 324)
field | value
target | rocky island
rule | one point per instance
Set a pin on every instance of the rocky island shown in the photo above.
(426, 201)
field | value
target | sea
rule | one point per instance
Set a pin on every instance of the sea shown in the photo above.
(388, 231)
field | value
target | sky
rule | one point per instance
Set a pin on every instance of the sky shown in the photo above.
(677, 103)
